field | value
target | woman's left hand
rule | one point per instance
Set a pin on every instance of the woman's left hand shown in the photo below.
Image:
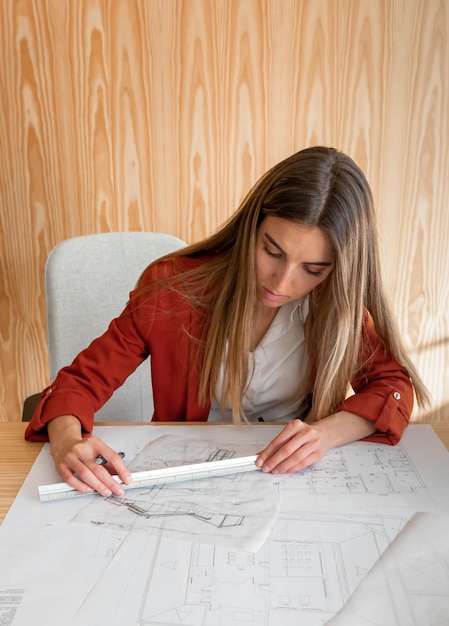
(297, 446)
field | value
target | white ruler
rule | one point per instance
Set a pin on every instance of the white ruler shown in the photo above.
(148, 478)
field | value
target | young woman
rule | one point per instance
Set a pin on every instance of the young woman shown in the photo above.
(280, 315)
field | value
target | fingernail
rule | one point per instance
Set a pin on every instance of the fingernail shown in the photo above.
(107, 493)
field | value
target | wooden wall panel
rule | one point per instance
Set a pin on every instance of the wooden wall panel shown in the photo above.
(160, 115)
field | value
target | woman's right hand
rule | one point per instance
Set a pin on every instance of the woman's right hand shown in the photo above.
(74, 458)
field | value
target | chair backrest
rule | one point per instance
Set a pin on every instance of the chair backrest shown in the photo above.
(87, 284)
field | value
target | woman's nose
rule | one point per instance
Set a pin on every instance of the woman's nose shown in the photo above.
(283, 279)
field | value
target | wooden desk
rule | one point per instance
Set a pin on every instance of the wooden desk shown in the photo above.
(17, 456)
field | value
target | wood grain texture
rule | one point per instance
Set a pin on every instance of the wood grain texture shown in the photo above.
(161, 114)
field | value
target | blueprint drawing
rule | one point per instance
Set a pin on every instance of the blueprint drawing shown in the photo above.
(344, 543)
(237, 510)
(362, 472)
(304, 573)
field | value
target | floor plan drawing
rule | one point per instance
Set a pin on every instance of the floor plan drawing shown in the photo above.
(304, 573)
(365, 472)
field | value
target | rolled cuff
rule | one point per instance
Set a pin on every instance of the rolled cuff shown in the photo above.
(58, 404)
(390, 414)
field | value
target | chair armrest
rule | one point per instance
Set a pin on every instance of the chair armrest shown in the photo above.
(29, 406)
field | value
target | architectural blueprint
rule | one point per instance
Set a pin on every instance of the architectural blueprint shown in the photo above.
(335, 521)
(362, 473)
(308, 567)
(237, 510)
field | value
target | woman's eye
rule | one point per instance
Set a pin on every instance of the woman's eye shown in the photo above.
(271, 253)
(311, 272)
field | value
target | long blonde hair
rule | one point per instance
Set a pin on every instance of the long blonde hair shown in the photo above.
(319, 187)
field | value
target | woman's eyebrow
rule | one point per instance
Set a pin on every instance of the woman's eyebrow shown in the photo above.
(276, 245)
(273, 243)
(320, 263)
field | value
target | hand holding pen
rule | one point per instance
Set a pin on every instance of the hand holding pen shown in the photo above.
(85, 463)
(101, 460)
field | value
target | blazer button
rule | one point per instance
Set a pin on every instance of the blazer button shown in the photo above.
(397, 395)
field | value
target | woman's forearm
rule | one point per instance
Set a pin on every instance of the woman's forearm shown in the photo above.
(343, 427)
(64, 426)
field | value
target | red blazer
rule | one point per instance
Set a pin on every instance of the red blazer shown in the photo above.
(156, 324)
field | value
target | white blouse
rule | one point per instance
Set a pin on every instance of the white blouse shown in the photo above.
(278, 364)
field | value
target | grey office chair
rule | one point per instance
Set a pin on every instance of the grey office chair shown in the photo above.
(87, 284)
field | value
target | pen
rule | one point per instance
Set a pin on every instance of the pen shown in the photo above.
(100, 460)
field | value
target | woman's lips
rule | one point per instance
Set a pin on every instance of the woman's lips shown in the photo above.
(273, 297)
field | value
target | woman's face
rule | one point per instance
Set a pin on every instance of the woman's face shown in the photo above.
(291, 260)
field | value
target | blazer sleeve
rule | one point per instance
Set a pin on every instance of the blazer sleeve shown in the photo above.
(383, 391)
